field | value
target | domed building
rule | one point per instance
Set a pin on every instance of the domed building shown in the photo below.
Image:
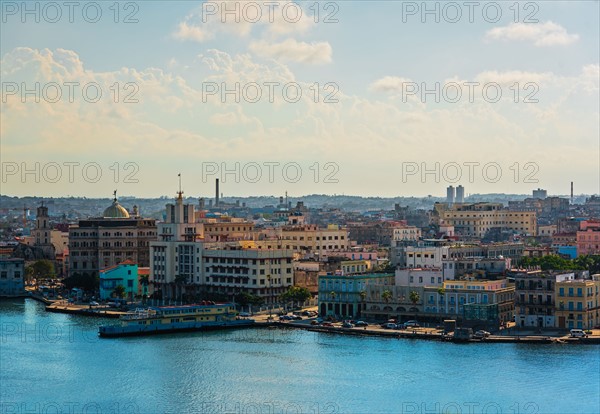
(100, 242)
(115, 210)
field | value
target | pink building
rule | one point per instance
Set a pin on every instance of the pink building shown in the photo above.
(588, 237)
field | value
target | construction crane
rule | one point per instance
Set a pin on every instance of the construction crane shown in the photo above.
(25, 209)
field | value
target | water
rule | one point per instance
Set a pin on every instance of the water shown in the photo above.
(56, 363)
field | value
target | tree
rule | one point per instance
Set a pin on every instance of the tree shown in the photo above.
(85, 281)
(41, 269)
(386, 295)
(145, 281)
(247, 299)
(414, 298)
(119, 291)
(180, 280)
(296, 294)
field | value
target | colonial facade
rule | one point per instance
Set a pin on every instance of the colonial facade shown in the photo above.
(98, 243)
(578, 303)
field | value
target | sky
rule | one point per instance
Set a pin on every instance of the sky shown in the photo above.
(374, 98)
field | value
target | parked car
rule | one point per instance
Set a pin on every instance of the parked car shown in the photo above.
(390, 325)
(347, 325)
(411, 324)
(481, 334)
(578, 333)
(93, 303)
(245, 314)
(400, 326)
(361, 323)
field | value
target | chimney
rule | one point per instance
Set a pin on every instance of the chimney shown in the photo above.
(217, 192)
(571, 192)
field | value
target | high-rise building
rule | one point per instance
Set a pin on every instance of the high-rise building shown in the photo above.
(460, 194)
(450, 195)
(539, 193)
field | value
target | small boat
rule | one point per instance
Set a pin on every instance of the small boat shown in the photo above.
(169, 319)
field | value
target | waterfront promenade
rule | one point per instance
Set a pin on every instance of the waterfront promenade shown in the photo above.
(422, 333)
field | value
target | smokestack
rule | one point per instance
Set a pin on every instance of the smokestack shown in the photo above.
(217, 192)
(571, 192)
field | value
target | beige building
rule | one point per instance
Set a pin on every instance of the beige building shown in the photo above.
(578, 303)
(475, 220)
(307, 238)
(406, 233)
(101, 242)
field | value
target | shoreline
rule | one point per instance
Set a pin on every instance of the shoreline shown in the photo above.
(53, 306)
(439, 337)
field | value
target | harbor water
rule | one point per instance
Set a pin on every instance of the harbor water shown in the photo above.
(56, 363)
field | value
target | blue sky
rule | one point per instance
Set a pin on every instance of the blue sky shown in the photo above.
(373, 133)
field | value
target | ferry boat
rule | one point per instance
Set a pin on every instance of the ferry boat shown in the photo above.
(168, 319)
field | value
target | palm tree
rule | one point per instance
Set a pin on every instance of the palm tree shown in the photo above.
(145, 280)
(414, 298)
(332, 294)
(386, 295)
(363, 297)
(119, 291)
(180, 280)
(441, 291)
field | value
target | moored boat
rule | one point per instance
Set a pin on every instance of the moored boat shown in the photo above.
(169, 319)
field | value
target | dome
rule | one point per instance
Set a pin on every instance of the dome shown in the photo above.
(115, 210)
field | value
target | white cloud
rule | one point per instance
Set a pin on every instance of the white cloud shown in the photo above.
(200, 25)
(291, 50)
(541, 34)
(172, 127)
(389, 84)
(508, 78)
(193, 33)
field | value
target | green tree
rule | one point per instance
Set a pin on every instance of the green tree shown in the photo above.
(42, 269)
(180, 281)
(119, 291)
(414, 298)
(386, 296)
(296, 294)
(85, 281)
(247, 299)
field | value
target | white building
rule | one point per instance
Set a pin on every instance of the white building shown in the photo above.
(406, 233)
(182, 263)
(419, 277)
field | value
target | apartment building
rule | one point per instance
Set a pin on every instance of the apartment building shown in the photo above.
(345, 295)
(535, 296)
(12, 277)
(475, 220)
(578, 303)
(588, 237)
(183, 264)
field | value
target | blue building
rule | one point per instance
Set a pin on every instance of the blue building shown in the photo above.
(12, 277)
(124, 274)
(343, 296)
(570, 251)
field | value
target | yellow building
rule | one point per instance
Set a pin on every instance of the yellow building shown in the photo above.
(307, 238)
(355, 266)
(477, 219)
(578, 303)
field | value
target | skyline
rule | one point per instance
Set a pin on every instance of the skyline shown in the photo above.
(172, 60)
